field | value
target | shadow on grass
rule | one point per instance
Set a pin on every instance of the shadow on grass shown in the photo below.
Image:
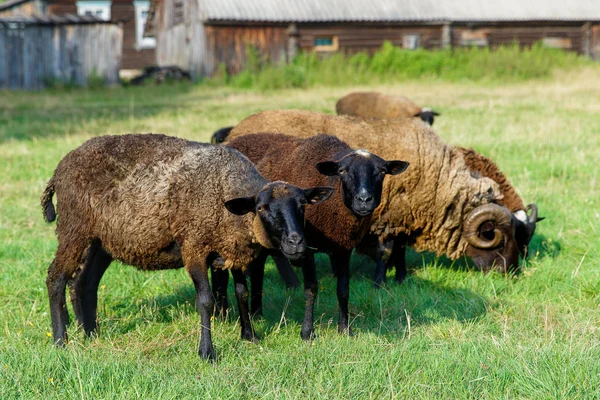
(384, 311)
(44, 114)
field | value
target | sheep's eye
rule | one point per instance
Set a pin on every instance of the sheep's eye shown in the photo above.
(342, 171)
(383, 171)
(260, 209)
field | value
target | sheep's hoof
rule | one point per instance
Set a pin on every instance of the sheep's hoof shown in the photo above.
(208, 354)
(308, 334)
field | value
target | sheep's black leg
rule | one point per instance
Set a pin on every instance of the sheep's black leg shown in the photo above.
(257, 276)
(311, 286)
(205, 303)
(341, 263)
(241, 294)
(286, 272)
(89, 295)
(398, 258)
(84, 288)
(220, 280)
(56, 283)
(381, 265)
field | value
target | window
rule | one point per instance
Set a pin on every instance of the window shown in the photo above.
(141, 15)
(326, 43)
(99, 8)
(411, 41)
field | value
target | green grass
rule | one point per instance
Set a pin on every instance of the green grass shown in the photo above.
(394, 64)
(447, 332)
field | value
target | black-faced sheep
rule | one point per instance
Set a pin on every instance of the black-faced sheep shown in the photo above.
(379, 105)
(334, 227)
(438, 205)
(219, 136)
(158, 202)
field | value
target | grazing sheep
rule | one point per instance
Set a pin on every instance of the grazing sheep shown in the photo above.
(159, 202)
(219, 136)
(438, 205)
(379, 105)
(334, 227)
(525, 218)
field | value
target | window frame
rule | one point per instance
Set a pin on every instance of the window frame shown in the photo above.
(92, 6)
(334, 46)
(142, 42)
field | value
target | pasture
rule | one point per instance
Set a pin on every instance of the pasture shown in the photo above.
(448, 331)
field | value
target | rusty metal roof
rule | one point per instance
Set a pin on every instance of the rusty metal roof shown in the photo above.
(50, 19)
(399, 10)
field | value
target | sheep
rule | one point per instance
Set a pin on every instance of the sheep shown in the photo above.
(219, 136)
(379, 105)
(334, 227)
(525, 218)
(159, 202)
(438, 205)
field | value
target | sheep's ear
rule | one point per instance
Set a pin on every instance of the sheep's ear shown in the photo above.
(418, 114)
(329, 168)
(241, 205)
(437, 114)
(318, 194)
(396, 167)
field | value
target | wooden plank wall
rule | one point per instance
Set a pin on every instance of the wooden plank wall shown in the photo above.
(33, 55)
(525, 35)
(227, 45)
(32, 7)
(356, 38)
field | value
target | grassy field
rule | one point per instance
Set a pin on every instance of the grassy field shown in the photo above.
(447, 332)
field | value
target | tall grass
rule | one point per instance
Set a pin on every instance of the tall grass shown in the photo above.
(393, 64)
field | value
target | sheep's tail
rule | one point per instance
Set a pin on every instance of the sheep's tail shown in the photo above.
(47, 207)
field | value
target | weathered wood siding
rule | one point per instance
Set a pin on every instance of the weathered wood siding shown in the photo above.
(180, 37)
(353, 38)
(595, 45)
(227, 45)
(524, 34)
(31, 55)
(32, 7)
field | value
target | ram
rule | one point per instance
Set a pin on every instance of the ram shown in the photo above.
(379, 105)
(334, 227)
(438, 205)
(158, 202)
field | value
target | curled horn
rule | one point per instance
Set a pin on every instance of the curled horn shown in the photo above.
(487, 212)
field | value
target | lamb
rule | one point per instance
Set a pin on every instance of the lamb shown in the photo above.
(438, 205)
(379, 105)
(159, 202)
(334, 227)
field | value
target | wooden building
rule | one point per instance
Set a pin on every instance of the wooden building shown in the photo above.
(198, 35)
(37, 51)
(138, 52)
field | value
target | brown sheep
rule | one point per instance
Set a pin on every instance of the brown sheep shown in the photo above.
(437, 205)
(159, 202)
(334, 227)
(379, 105)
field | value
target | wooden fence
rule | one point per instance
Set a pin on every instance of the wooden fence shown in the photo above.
(38, 51)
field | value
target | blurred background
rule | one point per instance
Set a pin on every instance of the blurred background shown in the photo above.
(81, 42)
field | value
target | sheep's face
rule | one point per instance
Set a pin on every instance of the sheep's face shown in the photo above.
(361, 174)
(279, 215)
(490, 233)
(427, 115)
